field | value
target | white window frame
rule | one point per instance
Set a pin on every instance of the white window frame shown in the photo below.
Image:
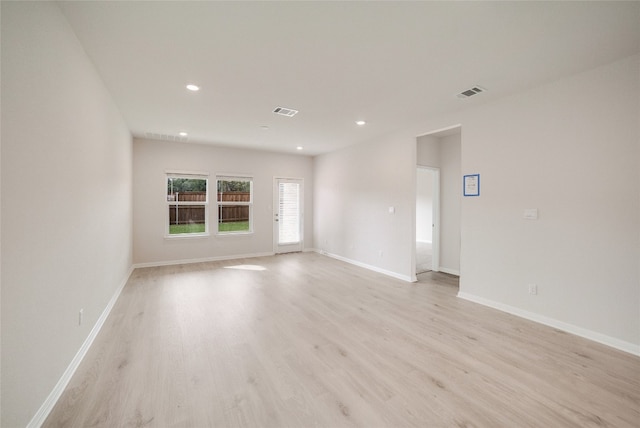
(219, 204)
(188, 175)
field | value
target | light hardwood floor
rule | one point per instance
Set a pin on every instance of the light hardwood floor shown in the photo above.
(314, 342)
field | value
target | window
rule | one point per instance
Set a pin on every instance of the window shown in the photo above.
(235, 204)
(187, 204)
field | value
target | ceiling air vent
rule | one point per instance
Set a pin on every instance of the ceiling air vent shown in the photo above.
(165, 137)
(471, 92)
(285, 111)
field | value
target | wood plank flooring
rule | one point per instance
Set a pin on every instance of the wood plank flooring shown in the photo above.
(302, 340)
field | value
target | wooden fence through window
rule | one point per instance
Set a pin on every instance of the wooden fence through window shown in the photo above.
(188, 214)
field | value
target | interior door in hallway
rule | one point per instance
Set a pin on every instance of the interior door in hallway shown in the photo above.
(427, 219)
(288, 215)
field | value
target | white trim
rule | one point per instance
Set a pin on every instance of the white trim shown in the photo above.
(187, 174)
(227, 175)
(187, 236)
(560, 325)
(437, 131)
(287, 178)
(46, 408)
(202, 260)
(223, 235)
(449, 271)
(370, 267)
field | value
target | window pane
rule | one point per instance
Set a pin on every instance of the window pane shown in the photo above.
(186, 219)
(186, 189)
(234, 190)
(233, 218)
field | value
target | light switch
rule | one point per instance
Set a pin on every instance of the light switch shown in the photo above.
(392, 210)
(531, 213)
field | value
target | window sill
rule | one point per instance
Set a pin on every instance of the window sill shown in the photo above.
(223, 234)
(187, 236)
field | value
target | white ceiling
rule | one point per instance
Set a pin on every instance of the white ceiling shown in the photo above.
(389, 63)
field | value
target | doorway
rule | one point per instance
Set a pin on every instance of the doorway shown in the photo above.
(427, 219)
(441, 150)
(288, 215)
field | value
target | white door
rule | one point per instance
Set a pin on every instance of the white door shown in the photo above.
(287, 215)
(427, 219)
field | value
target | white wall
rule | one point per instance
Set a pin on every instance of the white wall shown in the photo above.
(444, 153)
(451, 189)
(569, 148)
(428, 151)
(66, 203)
(153, 158)
(354, 190)
(424, 205)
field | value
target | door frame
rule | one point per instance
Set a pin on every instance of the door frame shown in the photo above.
(288, 248)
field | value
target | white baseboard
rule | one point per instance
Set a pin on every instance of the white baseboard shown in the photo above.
(202, 260)
(560, 325)
(46, 408)
(367, 266)
(449, 271)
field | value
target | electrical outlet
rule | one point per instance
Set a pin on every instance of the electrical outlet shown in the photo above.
(80, 315)
(533, 289)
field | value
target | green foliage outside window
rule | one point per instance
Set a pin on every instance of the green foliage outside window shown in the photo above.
(183, 185)
(226, 186)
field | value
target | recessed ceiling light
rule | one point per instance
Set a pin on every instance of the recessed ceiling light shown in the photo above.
(193, 87)
(182, 134)
(299, 148)
(360, 122)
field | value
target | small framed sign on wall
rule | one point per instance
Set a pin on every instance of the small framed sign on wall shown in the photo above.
(471, 185)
